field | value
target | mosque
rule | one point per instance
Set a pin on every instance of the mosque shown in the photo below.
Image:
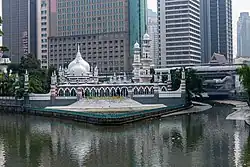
(77, 81)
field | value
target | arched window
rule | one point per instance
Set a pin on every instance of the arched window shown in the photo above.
(136, 92)
(124, 92)
(118, 92)
(107, 92)
(147, 91)
(102, 94)
(113, 92)
(73, 92)
(61, 93)
(87, 93)
(67, 92)
(164, 89)
(141, 91)
(93, 92)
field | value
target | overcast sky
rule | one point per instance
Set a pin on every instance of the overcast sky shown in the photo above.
(237, 5)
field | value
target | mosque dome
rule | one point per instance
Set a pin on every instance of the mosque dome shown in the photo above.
(136, 45)
(77, 70)
(146, 37)
(78, 61)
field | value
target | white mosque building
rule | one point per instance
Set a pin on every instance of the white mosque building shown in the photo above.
(77, 81)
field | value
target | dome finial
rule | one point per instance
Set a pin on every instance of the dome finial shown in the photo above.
(78, 47)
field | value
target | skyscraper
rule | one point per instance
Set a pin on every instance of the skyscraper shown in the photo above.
(46, 26)
(221, 28)
(179, 32)
(243, 35)
(19, 26)
(205, 29)
(106, 30)
(153, 33)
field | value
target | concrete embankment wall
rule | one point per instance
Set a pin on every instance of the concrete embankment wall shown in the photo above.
(95, 118)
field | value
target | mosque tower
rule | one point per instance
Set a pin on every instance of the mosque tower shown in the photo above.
(137, 63)
(146, 60)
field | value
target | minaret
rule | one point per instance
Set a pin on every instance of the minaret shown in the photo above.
(146, 59)
(136, 63)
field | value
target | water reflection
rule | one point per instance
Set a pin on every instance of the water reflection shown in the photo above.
(205, 139)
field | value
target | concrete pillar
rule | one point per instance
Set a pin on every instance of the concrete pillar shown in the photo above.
(130, 92)
(156, 93)
(79, 94)
(169, 82)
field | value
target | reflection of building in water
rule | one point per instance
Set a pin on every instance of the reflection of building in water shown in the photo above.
(2, 153)
(190, 141)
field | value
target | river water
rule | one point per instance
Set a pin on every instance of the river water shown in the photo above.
(206, 139)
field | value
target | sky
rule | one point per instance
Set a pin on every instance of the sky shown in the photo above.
(237, 7)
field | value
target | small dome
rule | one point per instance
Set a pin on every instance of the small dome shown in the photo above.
(77, 70)
(136, 45)
(146, 37)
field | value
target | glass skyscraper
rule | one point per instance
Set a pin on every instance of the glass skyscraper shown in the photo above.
(221, 28)
(19, 27)
(137, 21)
(243, 35)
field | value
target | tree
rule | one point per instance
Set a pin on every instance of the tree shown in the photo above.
(2, 48)
(244, 73)
(39, 79)
(194, 83)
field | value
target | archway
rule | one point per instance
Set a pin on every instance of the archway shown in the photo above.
(93, 92)
(146, 90)
(67, 92)
(141, 91)
(87, 93)
(124, 92)
(118, 92)
(102, 93)
(107, 92)
(73, 92)
(113, 92)
(136, 92)
(61, 93)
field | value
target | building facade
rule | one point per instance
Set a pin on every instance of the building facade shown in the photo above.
(205, 22)
(152, 31)
(221, 28)
(46, 26)
(108, 51)
(243, 35)
(98, 18)
(77, 17)
(19, 26)
(179, 32)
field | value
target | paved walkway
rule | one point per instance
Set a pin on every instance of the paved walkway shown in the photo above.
(242, 110)
(198, 107)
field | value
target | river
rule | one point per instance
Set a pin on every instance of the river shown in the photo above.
(205, 139)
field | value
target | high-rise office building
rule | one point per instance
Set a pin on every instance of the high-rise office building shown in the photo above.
(179, 32)
(98, 21)
(153, 33)
(137, 13)
(46, 26)
(221, 28)
(243, 35)
(19, 26)
(205, 29)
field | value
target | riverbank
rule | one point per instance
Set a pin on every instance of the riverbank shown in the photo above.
(241, 110)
